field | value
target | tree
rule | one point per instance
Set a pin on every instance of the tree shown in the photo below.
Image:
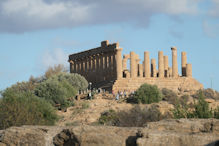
(76, 80)
(54, 70)
(147, 94)
(56, 92)
(25, 109)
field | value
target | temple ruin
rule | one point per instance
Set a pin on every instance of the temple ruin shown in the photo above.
(105, 68)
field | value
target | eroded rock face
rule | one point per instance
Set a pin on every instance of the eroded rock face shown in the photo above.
(181, 132)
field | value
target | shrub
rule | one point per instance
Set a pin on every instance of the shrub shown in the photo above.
(51, 71)
(136, 117)
(108, 118)
(55, 92)
(210, 93)
(25, 109)
(76, 80)
(207, 93)
(18, 88)
(216, 113)
(201, 110)
(147, 94)
(170, 96)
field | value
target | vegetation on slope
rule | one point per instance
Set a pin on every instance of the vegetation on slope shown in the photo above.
(33, 102)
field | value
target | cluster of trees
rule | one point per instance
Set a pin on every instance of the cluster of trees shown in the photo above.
(34, 102)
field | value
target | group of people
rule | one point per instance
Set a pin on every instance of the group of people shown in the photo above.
(120, 94)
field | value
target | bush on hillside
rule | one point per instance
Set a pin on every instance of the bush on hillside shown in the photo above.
(216, 113)
(25, 109)
(76, 80)
(55, 92)
(201, 110)
(147, 94)
(18, 88)
(136, 117)
(208, 93)
(108, 118)
(170, 96)
(56, 69)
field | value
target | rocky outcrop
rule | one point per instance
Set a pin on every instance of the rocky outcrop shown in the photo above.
(181, 132)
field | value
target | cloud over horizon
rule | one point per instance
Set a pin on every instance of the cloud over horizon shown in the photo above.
(31, 15)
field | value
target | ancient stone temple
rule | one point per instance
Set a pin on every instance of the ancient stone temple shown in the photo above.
(105, 68)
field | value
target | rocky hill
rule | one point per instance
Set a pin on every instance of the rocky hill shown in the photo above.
(78, 127)
(183, 132)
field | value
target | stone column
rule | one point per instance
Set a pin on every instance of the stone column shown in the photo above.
(90, 64)
(161, 64)
(189, 70)
(119, 63)
(147, 65)
(153, 68)
(97, 67)
(93, 64)
(71, 66)
(106, 62)
(124, 63)
(170, 72)
(166, 66)
(183, 63)
(101, 67)
(109, 61)
(79, 67)
(114, 66)
(174, 62)
(137, 62)
(140, 67)
(75, 66)
(133, 65)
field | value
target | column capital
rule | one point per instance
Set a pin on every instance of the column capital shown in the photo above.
(70, 61)
(173, 48)
(126, 56)
(119, 49)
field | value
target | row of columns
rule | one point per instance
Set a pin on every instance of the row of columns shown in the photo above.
(144, 70)
(96, 68)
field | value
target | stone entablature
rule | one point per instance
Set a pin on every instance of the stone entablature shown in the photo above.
(105, 64)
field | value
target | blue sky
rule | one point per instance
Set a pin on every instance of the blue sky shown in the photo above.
(36, 34)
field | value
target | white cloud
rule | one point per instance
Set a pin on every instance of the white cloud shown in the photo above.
(28, 15)
(53, 57)
(214, 11)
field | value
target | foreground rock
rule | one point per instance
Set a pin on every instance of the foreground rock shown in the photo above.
(181, 132)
